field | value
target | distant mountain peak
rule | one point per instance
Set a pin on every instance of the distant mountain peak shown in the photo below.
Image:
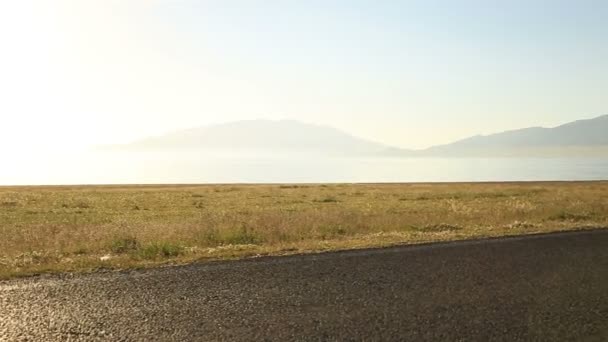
(262, 134)
(582, 134)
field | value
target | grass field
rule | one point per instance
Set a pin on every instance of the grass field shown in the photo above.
(83, 228)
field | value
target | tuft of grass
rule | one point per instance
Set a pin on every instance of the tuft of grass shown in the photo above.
(288, 186)
(240, 236)
(81, 251)
(327, 200)
(9, 203)
(566, 216)
(124, 245)
(82, 205)
(158, 250)
(333, 231)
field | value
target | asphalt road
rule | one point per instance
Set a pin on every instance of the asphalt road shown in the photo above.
(547, 287)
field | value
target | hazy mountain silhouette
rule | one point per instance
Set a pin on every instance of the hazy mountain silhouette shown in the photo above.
(578, 138)
(262, 135)
(581, 136)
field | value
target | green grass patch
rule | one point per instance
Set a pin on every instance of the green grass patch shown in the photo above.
(158, 250)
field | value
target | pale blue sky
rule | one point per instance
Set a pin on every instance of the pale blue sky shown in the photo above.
(406, 73)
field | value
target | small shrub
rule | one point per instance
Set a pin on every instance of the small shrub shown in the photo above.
(332, 231)
(289, 186)
(124, 245)
(566, 216)
(33, 258)
(327, 200)
(242, 236)
(456, 196)
(77, 205)
(210, 237)
(81, 251)
(226, 189)
(82, 205)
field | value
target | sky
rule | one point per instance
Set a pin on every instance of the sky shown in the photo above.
(77, 73)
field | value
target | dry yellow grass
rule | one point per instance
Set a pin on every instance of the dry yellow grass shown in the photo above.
(49, 229)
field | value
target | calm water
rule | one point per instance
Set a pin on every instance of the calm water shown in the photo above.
(103, 168)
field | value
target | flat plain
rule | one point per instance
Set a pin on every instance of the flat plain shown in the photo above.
(87, 228)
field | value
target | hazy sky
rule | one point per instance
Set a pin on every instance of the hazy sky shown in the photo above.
(406, 73)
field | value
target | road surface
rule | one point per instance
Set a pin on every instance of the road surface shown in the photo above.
(544, 287)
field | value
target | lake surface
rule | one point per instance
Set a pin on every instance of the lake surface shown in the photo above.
(137, 168)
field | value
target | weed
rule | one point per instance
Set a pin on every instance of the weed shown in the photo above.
(124, 245)
(9, 203)
(82, 205)
(240, 236)
(333, 231)
(81, 251)
(327, 200)
(566, 216)
(289, 186)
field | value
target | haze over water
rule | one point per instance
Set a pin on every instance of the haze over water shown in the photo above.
(176, 168)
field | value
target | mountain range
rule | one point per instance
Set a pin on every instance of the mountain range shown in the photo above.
(577, 138)
(581, 137)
